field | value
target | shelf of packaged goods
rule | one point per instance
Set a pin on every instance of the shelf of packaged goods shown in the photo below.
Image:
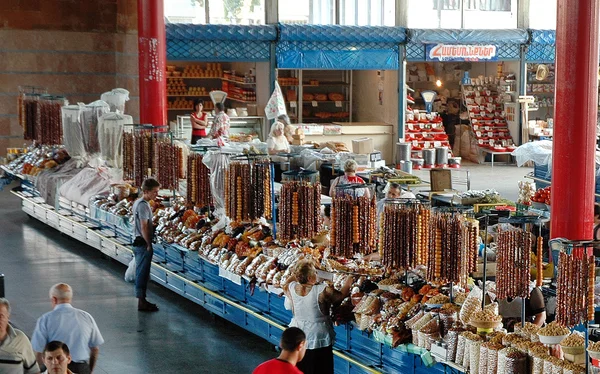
(309, 102)
(194, 77)
(238, 82)
(188, 95)
(322, 84)
(240, 100)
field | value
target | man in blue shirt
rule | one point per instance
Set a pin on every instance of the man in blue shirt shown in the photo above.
(74, 327)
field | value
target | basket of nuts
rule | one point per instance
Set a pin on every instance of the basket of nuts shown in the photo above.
(574, 344)
(485, 319)
(553, 333)
(594, 350)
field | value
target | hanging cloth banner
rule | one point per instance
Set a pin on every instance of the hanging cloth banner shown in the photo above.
(458, 52)
(276, 105)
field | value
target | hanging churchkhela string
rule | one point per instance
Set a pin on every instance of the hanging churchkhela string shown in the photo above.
(575, 288)
(513, 258)
(299, 210)
(198, 181)
(248, 190)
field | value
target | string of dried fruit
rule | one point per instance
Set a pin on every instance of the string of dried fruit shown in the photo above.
(198, 181)
(143, 156)
(575, 288)
(353, 215)
(298, 207)
(539, 264)
(128, 173)
(513, 252)
(166, 164)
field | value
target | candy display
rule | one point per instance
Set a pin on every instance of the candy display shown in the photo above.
(198, 181)
(512, 280)
(404, 234)
(575, 288)
(451, 253)
(353, 224)
(143, 154)
(299, 210)
(41, 119)
(128, 156)
(248, 201)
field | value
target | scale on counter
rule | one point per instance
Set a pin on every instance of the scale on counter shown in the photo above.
(428, 97)
(218, 96)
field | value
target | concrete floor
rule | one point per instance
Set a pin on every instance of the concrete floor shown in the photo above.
(182, 337)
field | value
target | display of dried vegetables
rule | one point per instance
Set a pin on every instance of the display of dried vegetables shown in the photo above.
(513, 259)
(299, 210)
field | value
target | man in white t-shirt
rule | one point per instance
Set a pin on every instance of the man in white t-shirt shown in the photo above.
(16, 354)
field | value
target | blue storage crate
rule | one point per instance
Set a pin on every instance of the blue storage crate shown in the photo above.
(158, 275)
(277, 309)
(214, 305)
(194, 293)
(174, 255)
(340, 366)
(193, 265)
(420, 368)
(364, 346)
(235, 315)
(257, 326)
(159, 253)
(176, 284)
(211, 276)
(397, 361)
(237, 291)
(342, 337)
(541, 171)
(258, 298)
(275, 335)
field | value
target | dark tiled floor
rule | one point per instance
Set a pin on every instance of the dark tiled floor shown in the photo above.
(181, 338)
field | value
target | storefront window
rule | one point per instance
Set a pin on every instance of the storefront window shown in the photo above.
(542, 14)
(314, 12)
(490, 14)
(236, 12)
(368, 12)
(185, 11)
(467, 14)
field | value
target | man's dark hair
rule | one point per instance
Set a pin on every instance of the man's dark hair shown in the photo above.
(291, 338)
(220, 106)
(394, 185)
(596, 210)
(150, 184)
(55, 345)
(196, 102)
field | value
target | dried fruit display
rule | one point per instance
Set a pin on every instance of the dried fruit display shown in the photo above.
(248, 190)
(128, 157)
(575, 288)
(166, 163)
(452, 248)
(353, 223)
(198, 181)
(404, 234)
(143, 154)
(299, 210)
(41, 118)
(513, 258)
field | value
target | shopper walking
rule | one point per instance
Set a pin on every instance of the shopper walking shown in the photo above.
(57, 358)
(16, 354)
(310, 303)
(74, 327)
(142, 245)
(293, 349)
(220, 127)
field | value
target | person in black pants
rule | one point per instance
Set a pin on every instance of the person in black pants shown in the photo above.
(142, 245)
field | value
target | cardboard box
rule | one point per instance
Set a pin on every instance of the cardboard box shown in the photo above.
(363, 146)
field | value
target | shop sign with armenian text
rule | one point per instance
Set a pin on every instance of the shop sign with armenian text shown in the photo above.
(457, 52)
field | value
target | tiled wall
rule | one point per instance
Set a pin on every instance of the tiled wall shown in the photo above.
(76, 49)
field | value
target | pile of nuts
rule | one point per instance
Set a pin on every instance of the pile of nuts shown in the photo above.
(485, 316)
(594, 346)
(553, 329)
(573, 340)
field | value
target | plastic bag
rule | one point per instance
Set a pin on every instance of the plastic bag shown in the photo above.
(73, 132)
(217, 162)
(116, 98)
(110, 137)
(130, 272)
(539, 152)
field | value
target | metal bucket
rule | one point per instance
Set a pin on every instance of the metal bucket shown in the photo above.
(403, 151)
(429, 157)
(441, 155)
(406, 166)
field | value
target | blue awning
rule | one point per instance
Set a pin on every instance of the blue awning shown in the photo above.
(464, 36)
(182, 31)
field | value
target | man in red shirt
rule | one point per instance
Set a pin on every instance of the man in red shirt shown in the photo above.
(293, 347)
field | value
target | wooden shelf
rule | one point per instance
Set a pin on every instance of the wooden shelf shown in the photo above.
(309, 102)
(188, 95)
(194, 78)
(243, 83)
(323, 84)
(240, 101)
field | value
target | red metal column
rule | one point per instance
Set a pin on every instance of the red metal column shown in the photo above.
(152, 49)
(576, 107)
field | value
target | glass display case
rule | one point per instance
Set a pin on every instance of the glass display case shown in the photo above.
(249, 125)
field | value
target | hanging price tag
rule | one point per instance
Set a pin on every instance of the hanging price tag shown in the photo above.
(490, 134)
(292, 104)
(338, 104)
(478, 133)
(315, 104)
(437, 144)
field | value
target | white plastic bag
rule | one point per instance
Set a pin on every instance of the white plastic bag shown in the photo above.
(130, 272)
